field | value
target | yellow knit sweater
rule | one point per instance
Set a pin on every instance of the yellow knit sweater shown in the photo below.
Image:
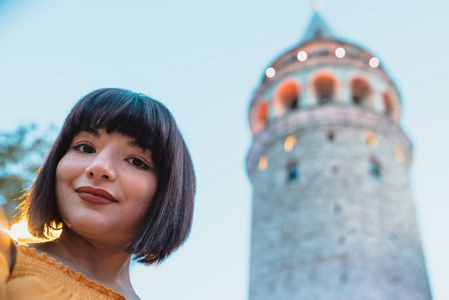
(38, 277)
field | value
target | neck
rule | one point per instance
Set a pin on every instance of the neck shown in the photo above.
(104, 263)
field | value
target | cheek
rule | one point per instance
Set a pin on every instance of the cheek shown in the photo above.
(69, 168)
(61, 182)
(59, 177)
(67, 171)
(62, 175)
(140, 194)
(144, 191)
(60, 189)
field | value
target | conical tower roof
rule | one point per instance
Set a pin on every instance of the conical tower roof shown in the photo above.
(317, 29)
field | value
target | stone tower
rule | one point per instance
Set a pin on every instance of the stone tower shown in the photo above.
(333, 214)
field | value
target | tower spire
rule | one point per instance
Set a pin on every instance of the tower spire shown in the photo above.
(317, 28)
(316, 5)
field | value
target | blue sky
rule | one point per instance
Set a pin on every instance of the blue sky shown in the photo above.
(204, 60)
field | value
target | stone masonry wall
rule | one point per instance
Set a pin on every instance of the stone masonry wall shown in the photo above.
(336, 232)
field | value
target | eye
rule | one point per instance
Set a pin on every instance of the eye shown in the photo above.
(84, 148)
(137, 162)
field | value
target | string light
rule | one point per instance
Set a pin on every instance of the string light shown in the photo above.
(270, 72)
(340, 52)
(374, 62)
(302, 55)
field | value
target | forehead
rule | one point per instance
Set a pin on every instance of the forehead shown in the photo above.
(136, 118)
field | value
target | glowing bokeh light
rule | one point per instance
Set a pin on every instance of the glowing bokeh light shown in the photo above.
(270, 72)
(374, 62)
(302, 55)
(263, 163)
(371, 139)
(340, 52)
(399, 155)
(290, 143)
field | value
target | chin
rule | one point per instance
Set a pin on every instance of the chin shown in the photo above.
(88, 222)
(97, 227)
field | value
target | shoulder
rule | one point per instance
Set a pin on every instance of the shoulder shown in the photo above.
(6, 247)
(5, 244)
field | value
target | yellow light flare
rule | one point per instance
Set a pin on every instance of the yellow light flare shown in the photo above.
(371, 139)
(340, 52)
(270, 72)
(302, 55)
(263, 163)
(290, 143)
(19, 232)
(399, 155)
(374, 62)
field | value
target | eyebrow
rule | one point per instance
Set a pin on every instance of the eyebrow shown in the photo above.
(134, 143)
(131, 143)
(93, 132)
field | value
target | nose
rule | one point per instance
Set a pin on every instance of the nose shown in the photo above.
(102, 167)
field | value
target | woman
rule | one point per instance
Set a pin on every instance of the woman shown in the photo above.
(120, 182)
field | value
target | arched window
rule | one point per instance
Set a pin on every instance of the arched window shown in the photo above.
(331, 135)
(374, 168)
(261, 116)
(360, 91)
(388, 104)
(324, 86)
(287, 96)
(292, 171)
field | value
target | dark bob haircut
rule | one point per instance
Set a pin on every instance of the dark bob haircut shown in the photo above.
(151, 124)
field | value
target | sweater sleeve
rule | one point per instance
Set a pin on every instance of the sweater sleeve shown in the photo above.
(5, 262)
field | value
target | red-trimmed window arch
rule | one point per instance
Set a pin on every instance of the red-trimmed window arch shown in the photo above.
(388, 104)
(361, 90)
(287, 95)
(261, 116)
(325, 87)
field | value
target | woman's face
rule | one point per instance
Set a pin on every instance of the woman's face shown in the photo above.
(105, 185)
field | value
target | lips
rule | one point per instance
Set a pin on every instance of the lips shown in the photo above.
(95, 195)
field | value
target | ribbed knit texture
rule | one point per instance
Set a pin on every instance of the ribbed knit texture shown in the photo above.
(36, 276)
